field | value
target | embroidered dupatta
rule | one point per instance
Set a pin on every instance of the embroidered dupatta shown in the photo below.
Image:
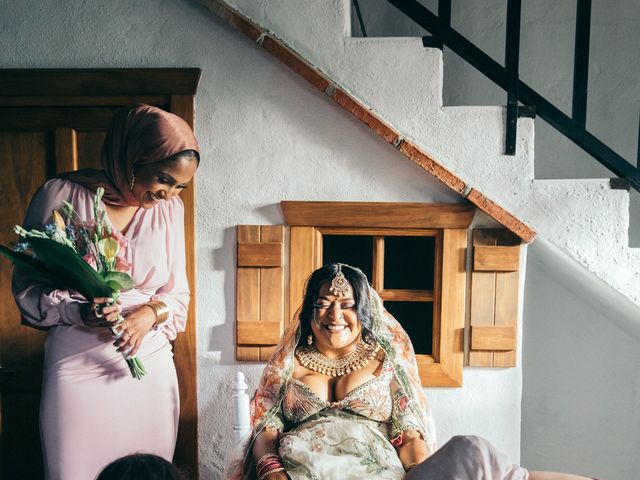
(266, 403)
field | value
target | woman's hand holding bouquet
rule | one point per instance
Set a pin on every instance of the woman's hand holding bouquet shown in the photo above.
(101, 312)
(136, 326)
(89, 257)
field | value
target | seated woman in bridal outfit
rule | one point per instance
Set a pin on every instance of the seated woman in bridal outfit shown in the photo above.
(341, 399)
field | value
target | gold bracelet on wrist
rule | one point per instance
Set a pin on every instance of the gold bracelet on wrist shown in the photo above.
(160, 309)
(275, 470)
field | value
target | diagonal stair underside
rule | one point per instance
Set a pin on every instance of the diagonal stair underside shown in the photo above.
(394, 86)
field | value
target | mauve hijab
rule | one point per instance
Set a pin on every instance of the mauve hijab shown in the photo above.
(139, 135)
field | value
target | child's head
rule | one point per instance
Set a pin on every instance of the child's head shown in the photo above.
(140, 466)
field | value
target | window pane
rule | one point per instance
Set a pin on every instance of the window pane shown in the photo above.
(355, 250)
(409, 262)
(417, 319)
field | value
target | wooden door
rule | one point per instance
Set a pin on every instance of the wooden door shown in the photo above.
(53, 121)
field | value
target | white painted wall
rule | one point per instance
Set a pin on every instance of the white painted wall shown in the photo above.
(265, 136)
(581, 385)
(581, 371)
(546, 64)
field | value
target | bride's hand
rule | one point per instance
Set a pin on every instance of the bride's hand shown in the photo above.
(135, 326)
(101, 312)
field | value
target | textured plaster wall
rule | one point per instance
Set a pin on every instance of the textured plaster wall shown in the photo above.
(265, 137)
(580, 364)
(581, 371)
(469, 141)
(546, 64)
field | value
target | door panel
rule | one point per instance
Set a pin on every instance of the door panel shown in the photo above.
(89, 148)
(26, 158)
(43, 131)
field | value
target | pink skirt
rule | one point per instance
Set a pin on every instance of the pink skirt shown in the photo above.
(92, 411)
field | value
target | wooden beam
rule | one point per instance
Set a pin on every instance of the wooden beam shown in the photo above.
(99, 81)
(81, 101)
(260, 254)
(377, 275)
(302, 262)
(399, 295)
(272, 301)
(247, 293)
(493, 337)
(377, 214)
(259, 332)
(494, 299)
(187, 454)
(496, 258)
(66, 150)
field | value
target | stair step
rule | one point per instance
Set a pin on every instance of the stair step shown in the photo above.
(400, 81)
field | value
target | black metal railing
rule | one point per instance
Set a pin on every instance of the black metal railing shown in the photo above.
(518, 92)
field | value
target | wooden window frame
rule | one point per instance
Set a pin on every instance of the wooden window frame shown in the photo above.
(448, 223)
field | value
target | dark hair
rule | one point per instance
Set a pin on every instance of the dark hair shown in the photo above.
(140, 466)
(185, 154)
(359, 286)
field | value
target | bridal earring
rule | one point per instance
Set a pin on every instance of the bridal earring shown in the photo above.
(310, 340)
(132, 182)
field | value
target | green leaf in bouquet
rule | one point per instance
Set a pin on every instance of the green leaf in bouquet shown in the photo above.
(113, 285)
(72, 269)
(121, 278)
(23, 259)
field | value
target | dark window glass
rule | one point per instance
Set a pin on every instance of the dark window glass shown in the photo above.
(417, 319)
(355, 250)
(409, 263)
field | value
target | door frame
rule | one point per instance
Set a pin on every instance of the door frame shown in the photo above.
(173, 89)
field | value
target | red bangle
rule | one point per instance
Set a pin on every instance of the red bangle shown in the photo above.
(268, 463)
(269, 472)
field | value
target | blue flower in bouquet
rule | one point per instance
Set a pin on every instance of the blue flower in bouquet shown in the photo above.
(20, 247)
(70, 230)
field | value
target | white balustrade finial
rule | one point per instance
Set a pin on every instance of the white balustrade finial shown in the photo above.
(241, 415)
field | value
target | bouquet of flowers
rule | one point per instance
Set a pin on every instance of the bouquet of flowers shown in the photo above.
(85, 256)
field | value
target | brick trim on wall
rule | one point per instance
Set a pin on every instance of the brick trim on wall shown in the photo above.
(378, 126)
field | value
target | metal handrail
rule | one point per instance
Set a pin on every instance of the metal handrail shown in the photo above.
(507, 77)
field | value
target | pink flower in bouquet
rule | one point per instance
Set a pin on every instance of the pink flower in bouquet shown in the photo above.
(91, 260)
(122, 265)
(121, 239)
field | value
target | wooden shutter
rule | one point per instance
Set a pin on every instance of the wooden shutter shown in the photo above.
(494, 298)
(260, 298)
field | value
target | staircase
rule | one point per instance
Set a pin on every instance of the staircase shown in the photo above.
(400, 82)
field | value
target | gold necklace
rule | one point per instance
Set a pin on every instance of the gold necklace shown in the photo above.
(311, 358)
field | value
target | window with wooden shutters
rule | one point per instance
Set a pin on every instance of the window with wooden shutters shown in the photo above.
(414, 255)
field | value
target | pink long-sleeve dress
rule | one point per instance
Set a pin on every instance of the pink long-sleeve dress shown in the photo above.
(92, 411)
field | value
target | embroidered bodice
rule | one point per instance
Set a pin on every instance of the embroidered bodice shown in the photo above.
(372, 399)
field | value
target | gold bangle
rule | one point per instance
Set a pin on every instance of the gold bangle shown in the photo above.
(275, 470)
(160, 309)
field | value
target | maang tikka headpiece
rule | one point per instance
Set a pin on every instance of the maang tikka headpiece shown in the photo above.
(339, 285)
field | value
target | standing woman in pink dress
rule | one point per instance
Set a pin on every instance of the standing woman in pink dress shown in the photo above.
(92, 410)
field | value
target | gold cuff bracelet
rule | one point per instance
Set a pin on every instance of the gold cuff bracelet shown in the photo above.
(161, 311)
